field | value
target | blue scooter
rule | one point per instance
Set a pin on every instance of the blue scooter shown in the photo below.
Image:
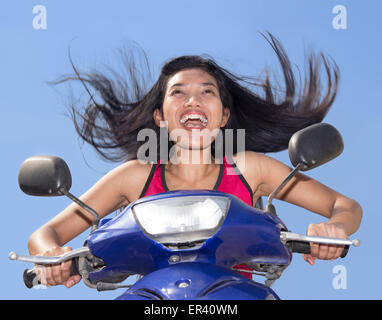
(184, 244)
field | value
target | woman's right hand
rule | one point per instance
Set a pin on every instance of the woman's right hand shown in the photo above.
(52, 275)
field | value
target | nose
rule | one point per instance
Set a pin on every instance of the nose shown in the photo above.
(193, 101)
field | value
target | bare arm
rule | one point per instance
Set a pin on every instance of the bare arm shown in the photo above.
(114, 190)
(310, 194)
(344, 214)
(111, 192)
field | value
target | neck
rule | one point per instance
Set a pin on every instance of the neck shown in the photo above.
(191, 164)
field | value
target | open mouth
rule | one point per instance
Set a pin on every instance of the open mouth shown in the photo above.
(194, 120)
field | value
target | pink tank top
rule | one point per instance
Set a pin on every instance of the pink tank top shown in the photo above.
(230, 180)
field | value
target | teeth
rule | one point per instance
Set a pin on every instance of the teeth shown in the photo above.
(193, 117)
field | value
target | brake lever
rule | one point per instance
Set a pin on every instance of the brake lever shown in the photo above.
(43, 260)
(286, 236)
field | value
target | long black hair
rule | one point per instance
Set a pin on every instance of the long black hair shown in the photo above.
(111, 125)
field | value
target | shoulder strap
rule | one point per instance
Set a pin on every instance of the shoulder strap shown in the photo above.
(148, 181)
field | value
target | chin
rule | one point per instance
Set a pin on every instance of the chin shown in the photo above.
(193, 145)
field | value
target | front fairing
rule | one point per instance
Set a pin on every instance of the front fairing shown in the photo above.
(247, 235)
(197, 281)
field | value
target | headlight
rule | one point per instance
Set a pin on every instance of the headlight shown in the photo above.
(181, 219)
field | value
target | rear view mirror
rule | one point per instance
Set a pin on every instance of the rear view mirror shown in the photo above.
(44, 176)
(315, 145)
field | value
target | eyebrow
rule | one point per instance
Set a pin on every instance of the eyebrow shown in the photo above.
(204, 84)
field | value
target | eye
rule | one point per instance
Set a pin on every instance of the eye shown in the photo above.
(209, 91)
(176, 92)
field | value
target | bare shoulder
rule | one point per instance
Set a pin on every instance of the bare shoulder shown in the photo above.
(249, 161)
(131, 176)
(132, 168)
(249, 164)
(258, 168)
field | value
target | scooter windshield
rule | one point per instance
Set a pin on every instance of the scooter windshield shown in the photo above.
(181, 219)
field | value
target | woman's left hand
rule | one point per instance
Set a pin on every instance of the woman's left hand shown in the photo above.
(324, 251)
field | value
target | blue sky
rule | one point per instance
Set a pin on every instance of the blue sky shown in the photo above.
(34, 120)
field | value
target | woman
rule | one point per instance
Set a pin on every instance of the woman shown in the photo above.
(194, 99)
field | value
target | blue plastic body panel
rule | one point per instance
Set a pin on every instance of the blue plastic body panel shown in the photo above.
(195, 280)
(247, 235)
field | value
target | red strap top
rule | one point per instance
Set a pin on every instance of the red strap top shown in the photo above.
(230, 181)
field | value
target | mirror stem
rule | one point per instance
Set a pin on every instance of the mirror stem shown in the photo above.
(269, 207)
(84, 206)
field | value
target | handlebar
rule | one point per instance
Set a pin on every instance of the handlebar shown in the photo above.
(301, 244)
(296, 243)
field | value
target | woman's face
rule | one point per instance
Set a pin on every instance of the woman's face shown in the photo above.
(192, 109)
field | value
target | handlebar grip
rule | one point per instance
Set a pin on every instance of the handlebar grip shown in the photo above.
(30, 277)
(299, 246)
(344, 252)
(304, 247)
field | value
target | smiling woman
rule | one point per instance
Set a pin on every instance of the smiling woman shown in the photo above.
(195, 96)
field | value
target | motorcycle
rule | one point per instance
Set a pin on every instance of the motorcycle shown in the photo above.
(184, 244)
